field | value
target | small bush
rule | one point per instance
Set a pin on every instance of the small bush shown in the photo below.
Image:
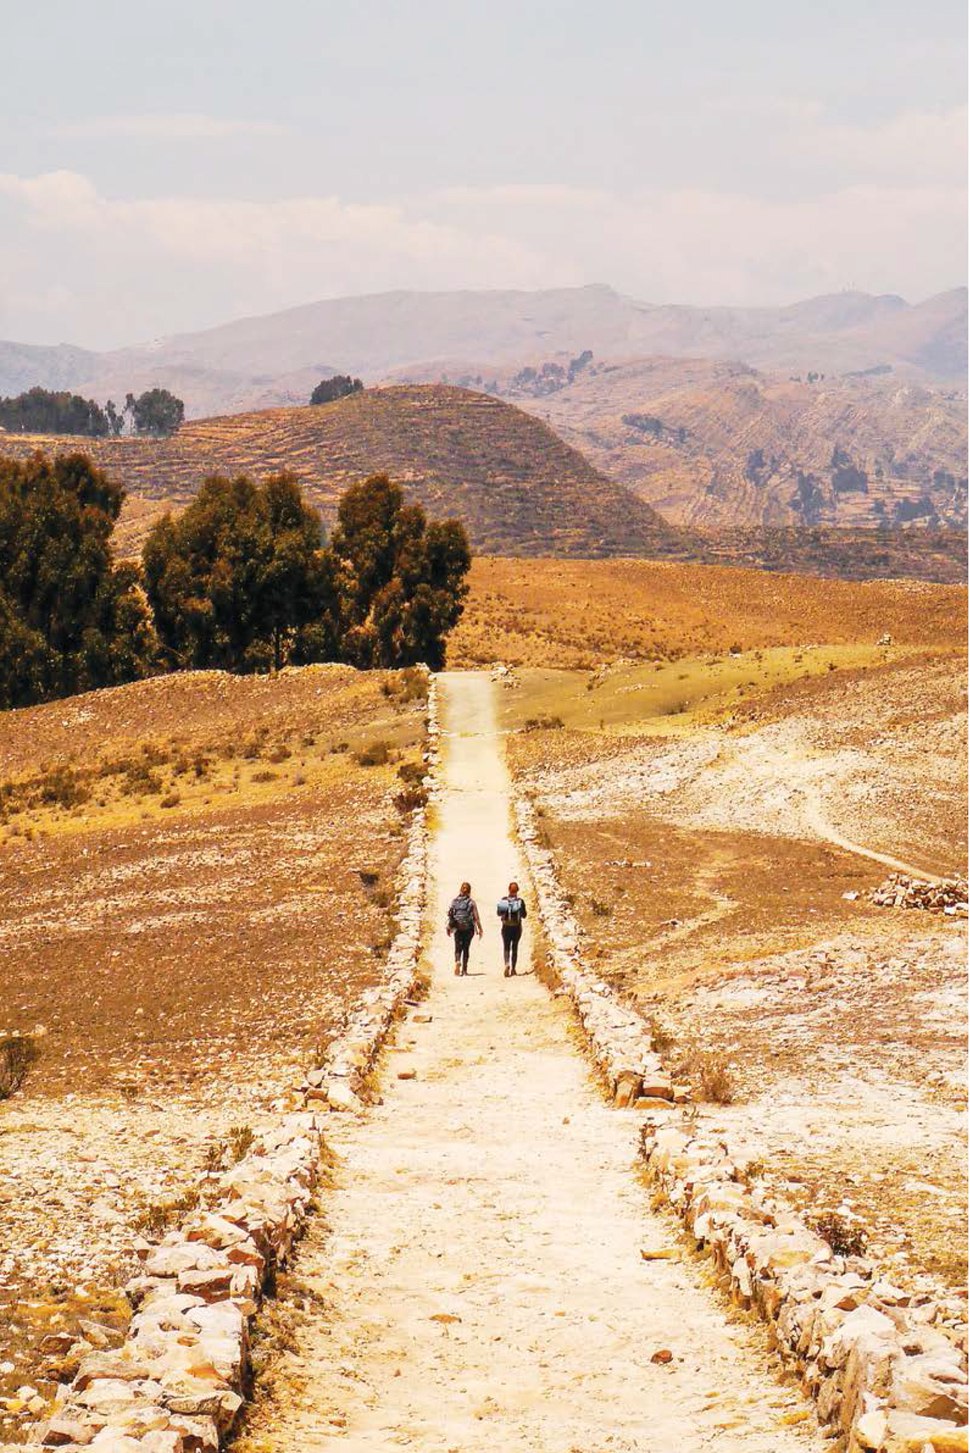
(171, 799)
(661, 1035)
(264, 776)
(280, 753)
(63, 788)
(412, 773)
(410, 800)
(414, 684)
(375, 754)
(18, 1054)
(139, 779)
(844, 1238)
(713, 1078)
(544, 723)
(240, 1141)
(600, 910)
(336, 747)
(159, 1216)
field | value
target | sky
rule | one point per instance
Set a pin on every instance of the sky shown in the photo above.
(168, 168)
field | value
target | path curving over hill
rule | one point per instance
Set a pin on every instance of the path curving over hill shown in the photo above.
(477, 1269)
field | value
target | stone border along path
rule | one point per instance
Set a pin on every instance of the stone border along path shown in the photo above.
(888, 1370)
(178, 1382)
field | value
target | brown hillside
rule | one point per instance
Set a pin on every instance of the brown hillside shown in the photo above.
(519, 489)
(716, 445)
(556, 613)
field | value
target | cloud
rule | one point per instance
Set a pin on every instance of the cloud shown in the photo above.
(134, 268)
(168, 126)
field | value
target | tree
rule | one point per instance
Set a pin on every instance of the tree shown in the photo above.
(156, 412)
(338, 387)
(400, 581)
(241, 580)
(39, 411)
(70, 618)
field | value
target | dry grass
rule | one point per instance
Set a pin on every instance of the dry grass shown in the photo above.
(827, 1040)
(576, 615)
(182, 906)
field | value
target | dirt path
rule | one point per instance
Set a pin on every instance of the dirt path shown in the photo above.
(480, 1271)
(776, 765)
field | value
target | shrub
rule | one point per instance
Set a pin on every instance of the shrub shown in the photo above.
(713, 1077)
(410, 799)
(600, 910)
(661, 1035)
(240, 1139)
(280, 753)
(63, 788)
(171, 799)
(375, 754)
(412, 773)
(844, 1238)
(18, 1054)
(265, 776)
(543, 723)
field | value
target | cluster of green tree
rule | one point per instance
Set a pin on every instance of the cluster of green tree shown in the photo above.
(549, 377)
(650, 424)
(70, 618)
(338, 387)
(155, 412)
(847, 478)
(243, 580)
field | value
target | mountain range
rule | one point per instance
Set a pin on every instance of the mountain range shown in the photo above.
(276, 359)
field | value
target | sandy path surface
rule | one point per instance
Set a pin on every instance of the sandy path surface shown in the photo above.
(478, 1261)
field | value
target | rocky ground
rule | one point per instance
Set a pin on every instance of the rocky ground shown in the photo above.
(710, 858)
(198, 879)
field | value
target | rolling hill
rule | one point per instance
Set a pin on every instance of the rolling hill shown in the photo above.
(519, 489)
(717, 445)
(276, 359)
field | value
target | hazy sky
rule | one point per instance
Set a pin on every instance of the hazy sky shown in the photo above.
(171, 166)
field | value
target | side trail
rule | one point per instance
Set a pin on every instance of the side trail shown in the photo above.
(477, 1267)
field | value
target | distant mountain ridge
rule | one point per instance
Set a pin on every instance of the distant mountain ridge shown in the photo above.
(277, 358)
(714, 445)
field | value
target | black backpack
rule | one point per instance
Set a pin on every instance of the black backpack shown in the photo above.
(461, 914)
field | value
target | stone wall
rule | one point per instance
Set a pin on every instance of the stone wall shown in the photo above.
(887, 1369)
(178, 1382)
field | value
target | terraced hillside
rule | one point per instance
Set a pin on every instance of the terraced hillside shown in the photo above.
(519, 489)
(718, 445)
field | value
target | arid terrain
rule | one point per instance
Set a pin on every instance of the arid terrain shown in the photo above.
(714, 852)
(261, 362)
(580, 614)
(518, 488)
(719, 445)
(198, 880)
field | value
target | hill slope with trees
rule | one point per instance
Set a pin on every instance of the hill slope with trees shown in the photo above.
(516, 486)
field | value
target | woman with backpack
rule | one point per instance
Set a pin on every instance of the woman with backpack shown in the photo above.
(463, 924)
(512, 912)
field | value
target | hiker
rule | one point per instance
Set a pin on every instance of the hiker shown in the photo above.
(463, 923)
(512, 912)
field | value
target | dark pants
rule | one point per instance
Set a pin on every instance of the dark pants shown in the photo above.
(511, 933)
(463, 942)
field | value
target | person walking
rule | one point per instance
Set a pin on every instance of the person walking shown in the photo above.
(463, 924)
(512, 912)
